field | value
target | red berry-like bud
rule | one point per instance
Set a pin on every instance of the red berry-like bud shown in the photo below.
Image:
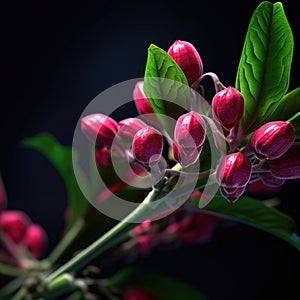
(14, 224)
(234, 171)
(36, 240)
(185, 157)
(228, 107)
(147, 146)
(143, 105)
(232, 194)
(272, 139)
(127, 129)
(138, 294)
(190, 131)
(3, 199)
(287, 166)
(102, 157)
(188, 59)
(99, 128)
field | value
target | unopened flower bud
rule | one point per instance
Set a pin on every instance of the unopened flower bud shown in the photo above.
(287, 166)
(185, 157)
(232, 194)
(99, 128)
(136, 293)
(270, 180)
(102, 157)
(188, 59)
(190, 131)
(143, 105)
(234, 171)
(272, 139)
(261, 191)
(147, 146)
(127, 129)
(14, 224)
(36, 240)
(228, 107)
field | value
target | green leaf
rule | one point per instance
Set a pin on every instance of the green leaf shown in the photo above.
(255, 213)
(165, 86)
(264, 69)
(162, 287)
(61, 158)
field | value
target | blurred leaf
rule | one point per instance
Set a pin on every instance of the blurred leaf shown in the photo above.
(264, 68)
(165, 86)
(161, 286)
(61, 158)
(255, 213)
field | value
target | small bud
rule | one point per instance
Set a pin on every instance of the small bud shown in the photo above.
(102, 157)
(272, 139)
(143, 105)
(269, 180)
(232, 194)
(14, 223)
(99, 128)
(188, 59)
(3, 198)
(136, 293)
(127, 128)
(185, 157)
(36, 240)
(147, 146)
(261, 191)
(228, 107)
(234, 170)
(287, 166)
(190, 131)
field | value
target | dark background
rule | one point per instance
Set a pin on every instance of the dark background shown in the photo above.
(57, 56)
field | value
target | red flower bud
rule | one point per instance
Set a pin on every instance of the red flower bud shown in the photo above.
(190, 131)
(232, 194)
(36, 240)
(102, 157)
(260, 190)
(136, 293)
(147, 146)
(127, 128)
(287, 166)
(143, 105)
(3, 199)
(185, 157)
(269, 180)
(272, 139)
(14, 224)
(228, 107)
(99, 128)
(188, 59)
(234, 170)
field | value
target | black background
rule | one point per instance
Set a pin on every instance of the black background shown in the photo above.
(57, 56)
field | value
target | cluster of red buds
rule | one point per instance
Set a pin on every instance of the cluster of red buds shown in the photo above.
(270, 156)
(21, 240)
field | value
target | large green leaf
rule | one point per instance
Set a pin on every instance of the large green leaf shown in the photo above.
(165, 86)
(255, 213)
(264, 69)
(61, 158)
(162, 287)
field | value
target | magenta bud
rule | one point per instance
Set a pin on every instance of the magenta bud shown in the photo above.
(100, 128)
(188, 59)
(228, 107)
(136, 293)
(102, 157)
(190, 131)
(185, 157)
(260, 190)
(287, 166)
(147, 146)
(127, 129)
(272, 139)
(36, 240)
(232, 194)
(270, 180)
(143, 105)
(234, 171)
(14, 224)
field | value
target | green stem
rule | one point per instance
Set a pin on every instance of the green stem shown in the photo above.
(105, 241)
(9, 271)
(11, 287)
(20, 295)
